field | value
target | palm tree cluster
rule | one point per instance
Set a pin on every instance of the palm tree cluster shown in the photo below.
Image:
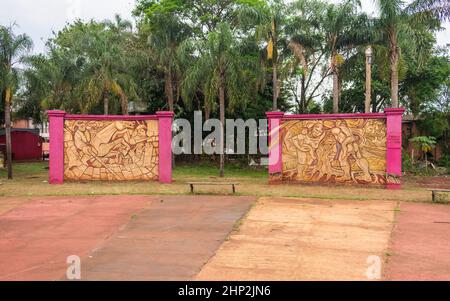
(235, 57)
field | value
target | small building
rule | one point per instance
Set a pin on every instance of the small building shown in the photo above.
(29, 124)
(26, 144)
(411, 129)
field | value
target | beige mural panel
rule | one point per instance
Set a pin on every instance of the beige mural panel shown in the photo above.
(335, 151)
(110, 150)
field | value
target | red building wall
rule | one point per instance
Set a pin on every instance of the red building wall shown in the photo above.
(25, 145)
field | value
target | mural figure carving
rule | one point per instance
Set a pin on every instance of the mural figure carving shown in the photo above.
(336, 151)
(111, 150)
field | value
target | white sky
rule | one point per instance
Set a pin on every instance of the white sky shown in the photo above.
(39, 18)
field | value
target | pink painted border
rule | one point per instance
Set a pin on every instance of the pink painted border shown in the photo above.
(275, 145)
(56, 129)
(111, 117)
(394, 145)
(56, 156)
(165, 120)
(393, 118)
(334, 116)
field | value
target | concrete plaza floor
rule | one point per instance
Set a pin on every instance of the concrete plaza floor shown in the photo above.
(210, 237)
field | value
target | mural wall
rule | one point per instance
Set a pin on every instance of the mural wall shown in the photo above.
(111, 150)
(334, 151)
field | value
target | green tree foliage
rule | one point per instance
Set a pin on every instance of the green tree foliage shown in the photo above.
(426, 144)
(241, 58)
(12, 49)
(218, 73)
(87, 65)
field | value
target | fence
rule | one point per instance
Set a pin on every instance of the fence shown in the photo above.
(336, 148)
(110, 148)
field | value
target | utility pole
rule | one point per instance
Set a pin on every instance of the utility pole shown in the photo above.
(368, 79)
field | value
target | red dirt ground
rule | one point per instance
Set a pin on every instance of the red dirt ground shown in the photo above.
(442, 182)
(38, 235)
(171, 237)
(420, 243)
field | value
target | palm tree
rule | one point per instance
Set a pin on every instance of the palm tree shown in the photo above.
(270, 19)
(101, 52)
(393, 16)
(218, 73)
(305, 34)
(166, 34)
(344, 29)
(12, 48)
(120, 33)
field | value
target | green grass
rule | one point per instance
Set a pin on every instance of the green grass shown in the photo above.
(27, 170)
(40, 169)
(208, 171)
(31, 179)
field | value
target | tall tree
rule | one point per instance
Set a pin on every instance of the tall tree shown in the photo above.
(268, 18)
(344, 29)
(309, 71)
(100, 52)
(218, 72)
(12, 49)
(397, 18)
(166, 35)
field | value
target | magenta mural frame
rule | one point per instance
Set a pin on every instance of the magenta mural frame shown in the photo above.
(393, 118)
(56, 131)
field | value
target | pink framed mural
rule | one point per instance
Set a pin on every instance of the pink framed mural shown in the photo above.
(110, 148)
(336, 148)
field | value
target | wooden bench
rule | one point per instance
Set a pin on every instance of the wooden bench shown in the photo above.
(433, 192)
(232, 184)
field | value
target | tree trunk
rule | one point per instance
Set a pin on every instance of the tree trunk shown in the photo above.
(124, 104)
(169, 89)
(8, 132)
(274, 65)
(335, 86)
(222, 122)
(207, 111)
(368, 86)
(105, 102)
(303, 95)
(275, 86)
(394, 57)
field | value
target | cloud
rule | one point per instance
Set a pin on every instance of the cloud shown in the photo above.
(40, 18)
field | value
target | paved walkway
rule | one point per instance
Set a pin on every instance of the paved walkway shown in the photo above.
(420, 243)
(185, 238)
(171, 240)
(297, 239)
(116, 237)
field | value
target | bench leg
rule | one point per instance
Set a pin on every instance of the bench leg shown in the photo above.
(432, 196)
(192, 188)
(234, 189)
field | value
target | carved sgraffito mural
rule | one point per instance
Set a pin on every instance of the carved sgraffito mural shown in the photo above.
(111, 150)
(335, 151)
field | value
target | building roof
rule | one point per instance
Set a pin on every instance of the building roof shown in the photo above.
(33, 131)
(411, 117)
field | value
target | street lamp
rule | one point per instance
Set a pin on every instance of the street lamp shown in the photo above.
(368, 53)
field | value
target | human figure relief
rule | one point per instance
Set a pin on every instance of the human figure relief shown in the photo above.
(347, 148)
(105, 150)
(336, 150)
(306, 144)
